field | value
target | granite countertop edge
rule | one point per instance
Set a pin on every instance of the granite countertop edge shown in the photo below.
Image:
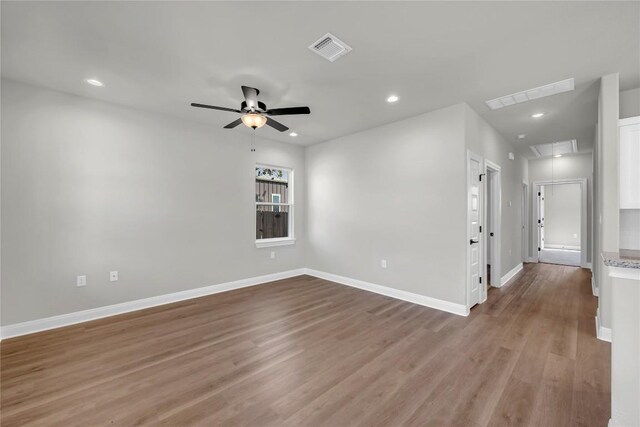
(625, 258)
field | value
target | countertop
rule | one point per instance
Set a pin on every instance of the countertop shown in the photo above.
(625, 258)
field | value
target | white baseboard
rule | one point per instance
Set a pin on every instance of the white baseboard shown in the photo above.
(68, 319)
(438, 304)
(588, 265)
(594, 288)
(515, 270)
(603, 334)
(566, 247)
(532, 259)
(53, 322)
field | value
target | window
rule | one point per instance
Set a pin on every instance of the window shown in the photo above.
(274, 206)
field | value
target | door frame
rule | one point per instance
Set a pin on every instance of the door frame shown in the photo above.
(583, 214)
(483, 286)
(525, 221)
(496, 209)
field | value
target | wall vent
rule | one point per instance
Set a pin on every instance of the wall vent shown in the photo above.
(529, 94)
(555, 148)
(330, 47)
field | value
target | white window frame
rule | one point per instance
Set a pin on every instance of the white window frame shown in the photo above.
(279, 241)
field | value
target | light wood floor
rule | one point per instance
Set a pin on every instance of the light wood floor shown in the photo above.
(305, 351)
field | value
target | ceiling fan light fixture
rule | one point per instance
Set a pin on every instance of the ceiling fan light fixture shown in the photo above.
(254, 120)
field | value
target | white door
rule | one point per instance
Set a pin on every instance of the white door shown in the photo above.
(540, 219)
(474, 205)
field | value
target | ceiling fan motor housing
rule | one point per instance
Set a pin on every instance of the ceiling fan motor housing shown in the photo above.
(261, 106)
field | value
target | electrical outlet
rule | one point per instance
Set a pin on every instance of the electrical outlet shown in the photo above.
(81, 281)
(273, 255)
(113, 276)
(383, 263)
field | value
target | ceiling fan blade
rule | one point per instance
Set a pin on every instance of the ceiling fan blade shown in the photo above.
(289, 111)
(233, 124)
(212, 107)
(251, 96)
(276, 125)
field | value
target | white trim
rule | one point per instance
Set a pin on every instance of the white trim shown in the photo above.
(438, 304)
(515, 270)
(569, 248)
(629, 121)
(594, 288)
(624, 273)
(603, 334)
(282, 241)
(524, 215)
(589, 266)
(496, 211)
(38, 325)
(583, 213)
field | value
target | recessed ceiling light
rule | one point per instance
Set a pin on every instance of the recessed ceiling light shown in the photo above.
(392, 98)
(293, 134)
(558, 155)
(94, 82)
(521, 136)
(537, 115)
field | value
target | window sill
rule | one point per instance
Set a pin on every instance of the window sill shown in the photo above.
(267, 243)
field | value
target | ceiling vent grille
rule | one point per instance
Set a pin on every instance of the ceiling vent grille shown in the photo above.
(330, 47)
(530, 94)
(555, 148)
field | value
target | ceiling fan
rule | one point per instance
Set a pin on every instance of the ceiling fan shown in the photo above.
(255, 113)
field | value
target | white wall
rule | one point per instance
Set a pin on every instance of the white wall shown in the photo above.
(395, 192)
(606, 179)
(566, 167)
(630, 103)
(89, 187)
(484, 140)
(562, 209)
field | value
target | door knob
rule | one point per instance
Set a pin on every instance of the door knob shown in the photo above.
(471, 242)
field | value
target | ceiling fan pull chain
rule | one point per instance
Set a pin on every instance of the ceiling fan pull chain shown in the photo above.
(253, 148)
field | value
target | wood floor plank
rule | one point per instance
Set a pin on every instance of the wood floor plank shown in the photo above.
(305, 351)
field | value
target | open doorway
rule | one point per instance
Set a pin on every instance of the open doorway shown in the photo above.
(561, 223)
(493, 213)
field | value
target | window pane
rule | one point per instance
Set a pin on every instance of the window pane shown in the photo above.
(272, 223)
(270, 182)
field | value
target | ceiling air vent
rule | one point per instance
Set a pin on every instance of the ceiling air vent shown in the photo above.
(330, 47)
(530, 94)
(555, 148)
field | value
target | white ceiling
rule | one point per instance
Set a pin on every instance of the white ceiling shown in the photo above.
(161, 56)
